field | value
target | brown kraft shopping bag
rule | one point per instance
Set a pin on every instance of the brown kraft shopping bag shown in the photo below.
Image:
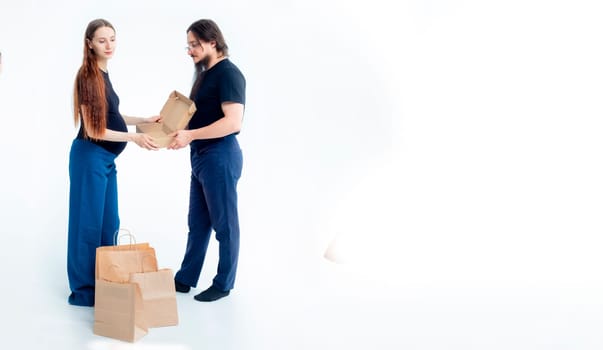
(118, 311)
(158, 297)
(115, 263)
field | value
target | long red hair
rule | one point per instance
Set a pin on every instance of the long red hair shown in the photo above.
(89, 99)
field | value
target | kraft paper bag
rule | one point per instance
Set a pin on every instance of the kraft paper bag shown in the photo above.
(115, 263)
(118, 311)
(158, 297)
(175, 115)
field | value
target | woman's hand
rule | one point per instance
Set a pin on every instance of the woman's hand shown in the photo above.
(153, 119)
(145, 141)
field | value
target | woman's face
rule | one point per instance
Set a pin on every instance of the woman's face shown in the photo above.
(103, 43)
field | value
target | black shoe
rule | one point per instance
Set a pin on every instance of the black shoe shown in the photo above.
(211, 294)
(81, 299)
(182, 288)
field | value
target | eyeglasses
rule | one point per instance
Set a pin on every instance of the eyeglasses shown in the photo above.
(192, 45)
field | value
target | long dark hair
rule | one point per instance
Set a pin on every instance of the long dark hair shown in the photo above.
(89, 89)
(206, 30)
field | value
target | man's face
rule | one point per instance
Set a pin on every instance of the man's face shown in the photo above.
(198, 50)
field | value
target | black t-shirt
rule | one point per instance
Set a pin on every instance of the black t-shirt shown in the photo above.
(115, 121)
(223, 82)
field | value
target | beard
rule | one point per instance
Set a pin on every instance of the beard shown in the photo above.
(202, 64)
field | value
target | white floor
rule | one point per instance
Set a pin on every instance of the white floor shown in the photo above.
(290, 300)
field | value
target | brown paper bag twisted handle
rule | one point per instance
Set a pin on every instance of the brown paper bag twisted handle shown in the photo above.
(116, 237)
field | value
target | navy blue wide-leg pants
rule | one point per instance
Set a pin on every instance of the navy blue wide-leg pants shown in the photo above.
(216, 170)
(93, 215)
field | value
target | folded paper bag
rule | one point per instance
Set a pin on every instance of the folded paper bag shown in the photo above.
(118, 311)
(158, 297)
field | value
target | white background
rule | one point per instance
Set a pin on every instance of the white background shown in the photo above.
(453, 148)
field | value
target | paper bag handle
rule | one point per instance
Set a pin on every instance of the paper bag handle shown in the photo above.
(116, 237)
